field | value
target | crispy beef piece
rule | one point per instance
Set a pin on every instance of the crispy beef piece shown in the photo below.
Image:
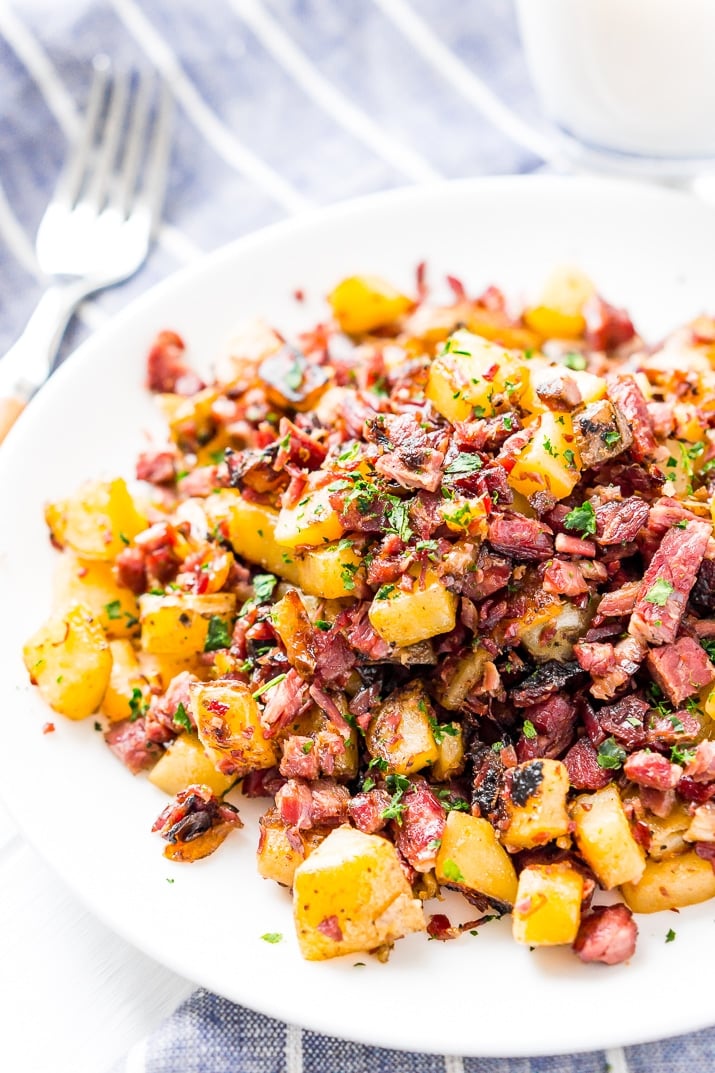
(487, 782)
(595, 657)
(681, 669)
(335, 658)
(474, 573)
(625, 721)
(418, 836)
(303, 805)
(284, 703)
(662, 418)
(300, 758)
(585, 773)
(192, 813)
(360, 634)
(630, 478)
(548, 678)
(571, 545)
(263, 783)
(607, 327)
(702, 594)
(130, 570)
(665, 513)
(651, 770)
(493, 481)
(706, 850)
(129, 741)
(291, 380)
(600, 433)
(166, 369)
(425, 514)
(389, 562)
(554, 721)
(628, 655)
(366, 810)
(160, 725)
(608, 934)
(255, 469)
(359, 514)
(618, 603)
(158, 466)
(681, 726)
(487, 434)
(520, 537)
(702, 766)
(564, 578)
(157, 545)
(295, 446)
(667, 583)
(620, 522)
(628, 399)
(558, 391)
(410, 456)
(202, 481)
(695, 793)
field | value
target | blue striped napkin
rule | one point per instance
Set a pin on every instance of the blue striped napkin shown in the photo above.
(283, 104)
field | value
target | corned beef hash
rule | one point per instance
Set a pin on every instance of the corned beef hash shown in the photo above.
(436, 581)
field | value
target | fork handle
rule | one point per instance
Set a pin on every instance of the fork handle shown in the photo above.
(29, 362)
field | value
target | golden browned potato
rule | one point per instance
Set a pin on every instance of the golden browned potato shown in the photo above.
(96, 522)
(547, 911)
(363, 303)
(128, 692)
(449, 739)
(69, 660)
(292, 624)
(405, 618)
(670, 884)
(181, 624)
(604, 838)
(559, 314)
(278, 856)
(92, 582)
(350, 895)
(228, 721)
(400, 732)
(312, 522)
(536, 807)
(472, 857)
(550, 461)
(186, 763)
(470, 374)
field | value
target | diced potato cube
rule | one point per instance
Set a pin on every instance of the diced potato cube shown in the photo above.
(550, 461)
(670, 884)
(310, 523)
(179, 623)
(592, 387)
(468, 671)
(465, 515)
(404, 618)
(97, 521)
(363, 303)
(547, 911)
(537, 804)
(450, 749)
(92, 582)
(472, 857)
(350, 895)
(292, 624)
(69, 660)
(228, 721)
(277, 856)
(470, 374)
(160, 667)
(127, 691)
(186, 763)
(400, 732)
(332, 572)
(559, 314)
(668, 833)
(604, 838)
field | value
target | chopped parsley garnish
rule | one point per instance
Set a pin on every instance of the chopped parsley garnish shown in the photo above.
(670, 935)
(549, 448)
(529, 729)
(610, 754)
(507, 422)
(137, 706)
(570, 458)
(659, 592)
(463, 465)
(452, 871)
(351, 454)
(398, 520)
(294, 376)
(272, 937)
(577, 362)
(113, 609)
(181, 717)
(439, 730)
(582, 518)
(679, 755)
(268, 685)
(452, 804)
(218, 635)
(708, 644)
(308, 746)
(396, 785)
(322, 624)
(263, 586)
(383, 593)
(347, 575)
(611, 437)
(677, 724)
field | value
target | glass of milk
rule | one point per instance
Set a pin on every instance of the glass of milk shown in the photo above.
(627, 84)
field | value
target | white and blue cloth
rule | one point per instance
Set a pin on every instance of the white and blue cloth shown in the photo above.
(282, 105)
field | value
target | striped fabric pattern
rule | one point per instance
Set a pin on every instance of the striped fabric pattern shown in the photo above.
(282, 105)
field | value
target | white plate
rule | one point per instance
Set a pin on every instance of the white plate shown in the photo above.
(481, 995)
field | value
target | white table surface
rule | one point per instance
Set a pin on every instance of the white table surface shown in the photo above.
(75, 997)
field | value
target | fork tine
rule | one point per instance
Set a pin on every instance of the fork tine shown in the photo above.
(109, 143)
(72, 176)
(134, 143)
(155, 182)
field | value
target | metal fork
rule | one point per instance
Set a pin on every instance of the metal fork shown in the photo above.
(98, 228)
